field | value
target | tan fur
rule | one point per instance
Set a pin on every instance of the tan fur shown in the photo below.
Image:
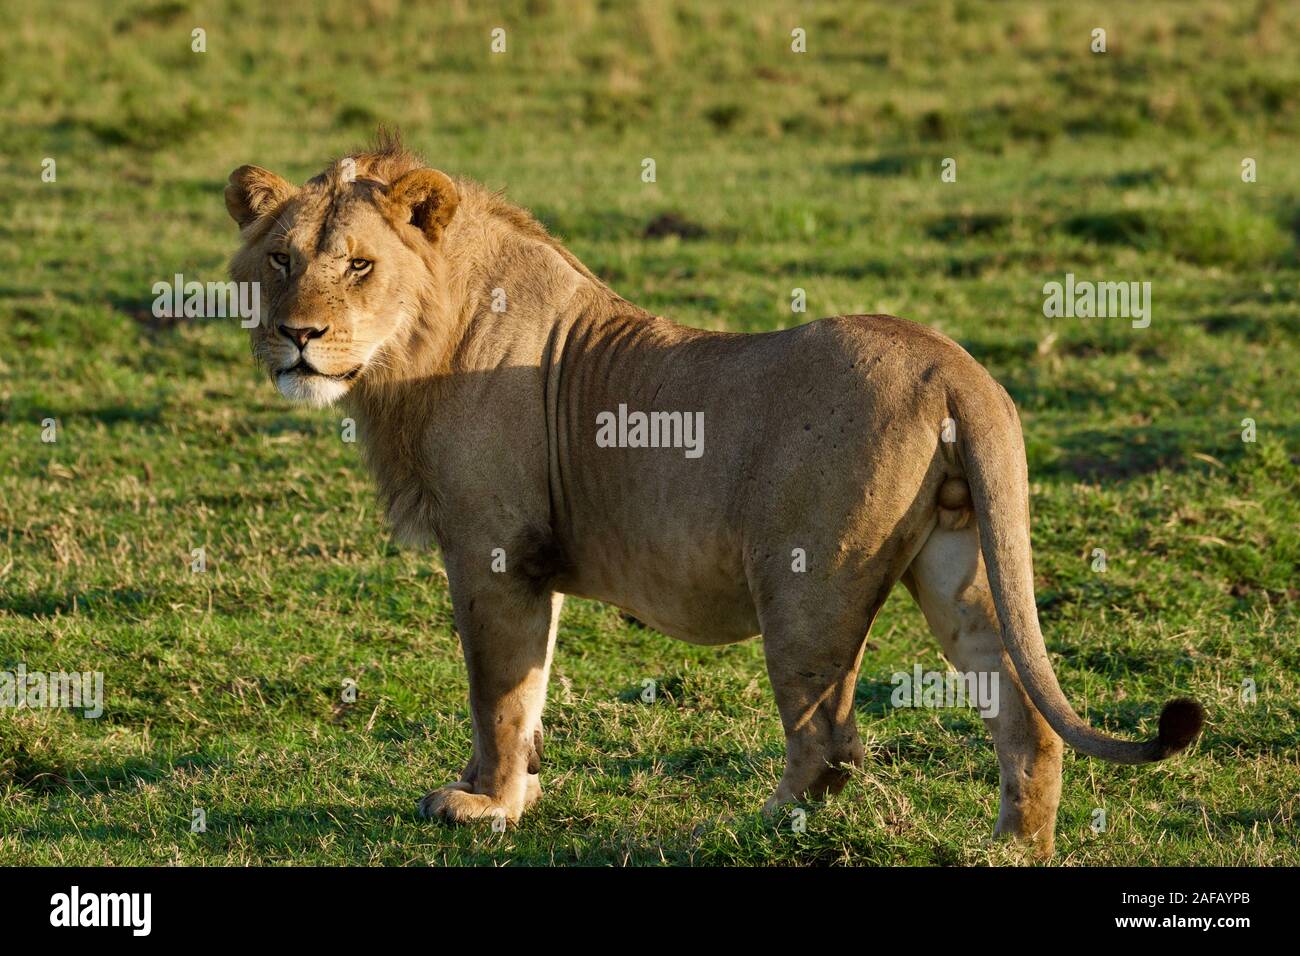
(825, 441)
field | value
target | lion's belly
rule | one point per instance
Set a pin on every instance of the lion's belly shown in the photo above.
(698, 601)
(725, 620)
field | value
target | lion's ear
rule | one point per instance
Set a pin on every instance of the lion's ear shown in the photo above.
(427, 199)
(253, 192)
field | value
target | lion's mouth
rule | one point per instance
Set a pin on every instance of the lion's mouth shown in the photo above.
(303, 367)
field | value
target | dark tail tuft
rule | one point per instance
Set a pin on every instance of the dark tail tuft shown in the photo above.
(1180, 723)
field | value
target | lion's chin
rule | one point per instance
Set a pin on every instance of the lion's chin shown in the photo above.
(314, 390)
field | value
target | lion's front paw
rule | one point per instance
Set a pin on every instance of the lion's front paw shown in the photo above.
(775, 805)
(455, 803)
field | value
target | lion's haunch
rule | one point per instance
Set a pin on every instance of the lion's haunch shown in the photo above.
(954, 493)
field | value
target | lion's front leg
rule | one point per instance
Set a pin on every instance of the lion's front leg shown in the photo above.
(507, 631)
(469, 776)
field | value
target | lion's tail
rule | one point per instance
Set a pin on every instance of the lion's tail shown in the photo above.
(993, 455)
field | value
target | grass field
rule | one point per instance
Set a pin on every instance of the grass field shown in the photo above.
(775, 170)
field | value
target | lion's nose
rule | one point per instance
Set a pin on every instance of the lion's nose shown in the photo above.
(300, 335)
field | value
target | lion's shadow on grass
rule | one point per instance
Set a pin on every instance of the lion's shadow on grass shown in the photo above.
(43, 774)
(266, 828)
(95, 601)
(702, 764)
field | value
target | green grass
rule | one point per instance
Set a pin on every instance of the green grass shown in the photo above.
(818, 171)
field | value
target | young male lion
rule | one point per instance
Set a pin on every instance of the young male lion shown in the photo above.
(483, 363)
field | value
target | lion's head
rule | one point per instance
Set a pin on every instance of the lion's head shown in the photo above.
(346, 264)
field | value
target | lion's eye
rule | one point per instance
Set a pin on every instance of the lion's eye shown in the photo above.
(360, 265)
(280, 259)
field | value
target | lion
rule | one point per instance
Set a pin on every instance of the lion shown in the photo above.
(482, 361)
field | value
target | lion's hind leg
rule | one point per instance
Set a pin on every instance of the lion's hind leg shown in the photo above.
(813, 656)
(948, 581)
